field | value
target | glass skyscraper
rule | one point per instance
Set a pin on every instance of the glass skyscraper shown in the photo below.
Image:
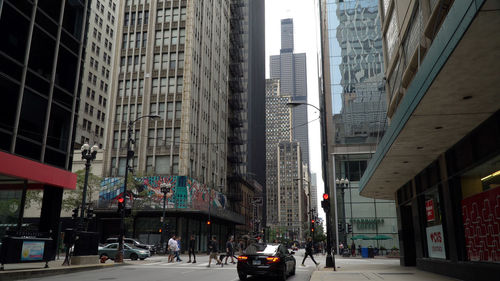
(359, 118)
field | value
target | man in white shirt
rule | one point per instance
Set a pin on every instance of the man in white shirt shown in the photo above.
(172, 247)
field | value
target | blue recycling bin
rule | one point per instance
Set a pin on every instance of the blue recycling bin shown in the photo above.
(364, 252)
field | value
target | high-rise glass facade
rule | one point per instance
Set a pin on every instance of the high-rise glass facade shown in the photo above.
(359, 119)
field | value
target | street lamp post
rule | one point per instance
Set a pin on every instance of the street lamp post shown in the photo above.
(343, 183)
(330, 259)
(165, 188)
(89, 155)
(130, 154)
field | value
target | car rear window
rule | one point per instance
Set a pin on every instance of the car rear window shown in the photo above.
(259, 248)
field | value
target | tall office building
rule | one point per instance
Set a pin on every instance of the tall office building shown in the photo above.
(286, 196)
(278, 129)
(246, 111)
(173, 63)
(353, 59)
(97, 73)
(290, 69)
(440, 157)
(40, 62)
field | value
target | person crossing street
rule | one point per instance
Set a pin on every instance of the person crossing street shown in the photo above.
(309, 251)
(230, 250)
(191, 246)
(213, 248)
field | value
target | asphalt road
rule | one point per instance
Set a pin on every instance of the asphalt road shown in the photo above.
(156, 268)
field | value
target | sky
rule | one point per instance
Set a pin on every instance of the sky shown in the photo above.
(305, 14)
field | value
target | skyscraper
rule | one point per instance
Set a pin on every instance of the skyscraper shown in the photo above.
(290, 69)
(354, 60)
(286, 172)
(174, 63)
(246, 111)
(97, 73)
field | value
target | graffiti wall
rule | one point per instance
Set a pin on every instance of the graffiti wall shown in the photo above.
(145, 193)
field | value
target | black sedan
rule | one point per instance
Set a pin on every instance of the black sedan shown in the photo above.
(266, 259)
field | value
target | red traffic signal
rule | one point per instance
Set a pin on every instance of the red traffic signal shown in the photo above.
(326, 196)
(208, 222)
(312, 221)
(120, 200)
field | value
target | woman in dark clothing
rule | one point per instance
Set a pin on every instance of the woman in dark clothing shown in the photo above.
(191, 245)
(309, 251)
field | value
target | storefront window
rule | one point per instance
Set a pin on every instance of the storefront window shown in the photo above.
(434, 225)
(480, 205)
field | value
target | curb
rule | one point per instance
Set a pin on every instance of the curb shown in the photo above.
(43, 272)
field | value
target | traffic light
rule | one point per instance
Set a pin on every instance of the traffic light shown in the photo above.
(90, 213)
(349, 228)
(208, 222)
(75, 213)
(325, 204)
(340, 227)
(121, 204)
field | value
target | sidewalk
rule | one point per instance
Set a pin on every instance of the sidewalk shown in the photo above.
(36, 269)
(350, 269)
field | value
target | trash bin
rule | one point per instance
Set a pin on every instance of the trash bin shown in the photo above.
(364, 252)
(371, 253)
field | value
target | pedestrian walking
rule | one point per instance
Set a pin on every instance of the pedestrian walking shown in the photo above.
(309, 251)
(172, 245)
(178, 249)
(191, 245)
(241, 247)
(229, 250)
(213, 248)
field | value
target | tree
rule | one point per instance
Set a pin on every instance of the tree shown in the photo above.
(73, 198)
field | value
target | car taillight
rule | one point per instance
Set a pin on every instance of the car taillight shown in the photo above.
(242, 258)
(272, 259)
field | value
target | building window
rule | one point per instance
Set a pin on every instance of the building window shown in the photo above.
(159, 16)
(163, 86)
(126, 19)
(180, 83)
(170, 110)
(144, 39)
(166, 37)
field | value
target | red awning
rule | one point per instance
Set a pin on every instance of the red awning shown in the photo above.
(35, 172)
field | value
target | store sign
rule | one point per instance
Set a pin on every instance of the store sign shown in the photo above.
(435, 242)
(32, 251)
(429, 210)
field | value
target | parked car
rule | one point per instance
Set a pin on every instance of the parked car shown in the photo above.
(130, 252)
(136, 243)
(266, 259)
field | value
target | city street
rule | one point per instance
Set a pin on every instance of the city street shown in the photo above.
(157, 268)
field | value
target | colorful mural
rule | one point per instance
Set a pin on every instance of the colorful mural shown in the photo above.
(185, 193)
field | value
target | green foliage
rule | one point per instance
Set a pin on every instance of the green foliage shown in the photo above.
(73, 198)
